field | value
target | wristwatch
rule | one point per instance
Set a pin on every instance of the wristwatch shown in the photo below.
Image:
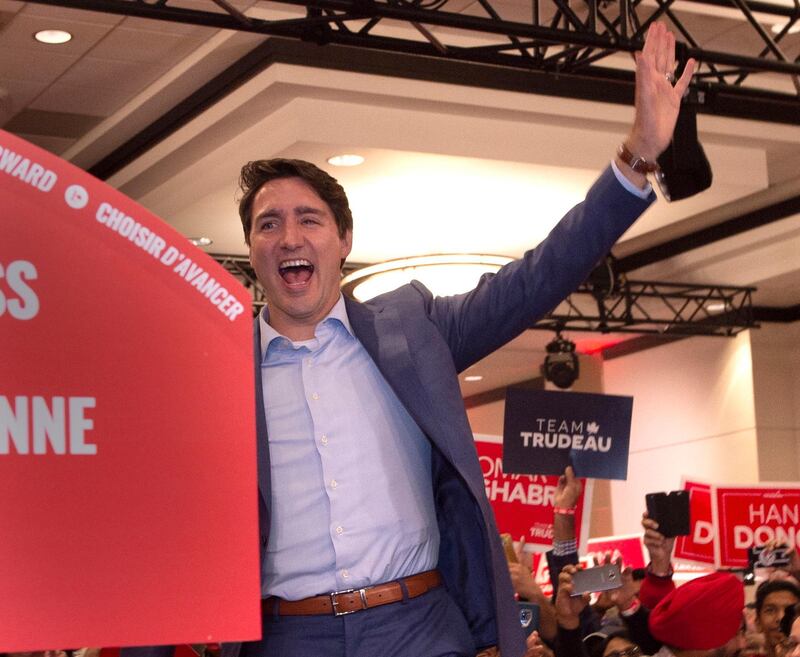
(636, 162)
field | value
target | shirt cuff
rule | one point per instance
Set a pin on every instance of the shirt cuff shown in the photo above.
(627, 184)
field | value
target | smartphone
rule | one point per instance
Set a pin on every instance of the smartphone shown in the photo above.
(670, 511)
(761, 557)
(508, 548)
(528, 616)
(599, 578)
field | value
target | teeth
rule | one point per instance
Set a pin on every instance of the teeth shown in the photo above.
(295, 263)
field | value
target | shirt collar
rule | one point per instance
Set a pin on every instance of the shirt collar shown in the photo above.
(268, 334)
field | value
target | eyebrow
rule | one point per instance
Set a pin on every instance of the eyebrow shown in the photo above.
(300, 209)
(307, 209)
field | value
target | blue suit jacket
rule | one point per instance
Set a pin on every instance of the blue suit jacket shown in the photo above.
(420, 344)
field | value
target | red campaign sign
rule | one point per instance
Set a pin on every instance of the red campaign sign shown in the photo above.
(699, 545)
(128, 497)
(523, 504)
(541, 573)
(629, 548)
(752, 516)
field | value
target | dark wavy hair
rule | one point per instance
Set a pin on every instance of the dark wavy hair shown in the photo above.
(255, 174)
(771, 586)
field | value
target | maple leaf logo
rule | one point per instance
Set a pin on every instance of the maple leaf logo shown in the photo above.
(593, 428)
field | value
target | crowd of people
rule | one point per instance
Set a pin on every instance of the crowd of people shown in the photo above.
(647, 614)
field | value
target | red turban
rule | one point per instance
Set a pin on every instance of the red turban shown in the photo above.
(703, 614)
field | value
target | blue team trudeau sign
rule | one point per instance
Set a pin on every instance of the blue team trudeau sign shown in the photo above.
(545, 431)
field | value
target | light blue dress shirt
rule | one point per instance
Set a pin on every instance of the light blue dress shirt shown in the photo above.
(352, 497)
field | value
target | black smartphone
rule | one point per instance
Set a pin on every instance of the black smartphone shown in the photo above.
(528, 616)
(670, 511)
(599, 578)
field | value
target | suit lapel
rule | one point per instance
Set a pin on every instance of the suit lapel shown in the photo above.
(381, 333)
(262, 445)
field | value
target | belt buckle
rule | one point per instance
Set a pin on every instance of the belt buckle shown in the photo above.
(335, 602)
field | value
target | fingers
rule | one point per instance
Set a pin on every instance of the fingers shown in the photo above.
(652, 539)
(662, 56)
(565, 579)
(518, 548)
(648, 524)
(669, 52)
(627, 573)
(659, 52)
(656, 43)
(686, 77)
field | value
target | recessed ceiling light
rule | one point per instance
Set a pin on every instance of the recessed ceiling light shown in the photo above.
(778, 27)
(473, 377)
(346, 160)
(52, 37)
(201, 241)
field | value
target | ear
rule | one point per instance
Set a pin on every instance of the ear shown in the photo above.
(346, 245)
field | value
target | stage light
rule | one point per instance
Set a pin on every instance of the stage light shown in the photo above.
(560, 366)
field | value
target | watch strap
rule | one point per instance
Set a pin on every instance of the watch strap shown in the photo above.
(636, 162)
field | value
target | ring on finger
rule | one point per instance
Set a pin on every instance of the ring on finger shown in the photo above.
(670, 77)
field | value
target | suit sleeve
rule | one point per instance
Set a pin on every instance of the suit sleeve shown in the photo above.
(504, 304)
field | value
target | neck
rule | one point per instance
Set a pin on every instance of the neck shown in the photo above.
(295, 332)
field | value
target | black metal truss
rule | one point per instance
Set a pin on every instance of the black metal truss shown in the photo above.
(673, 309)
(239, 267)
(569, 42)
(650, 307)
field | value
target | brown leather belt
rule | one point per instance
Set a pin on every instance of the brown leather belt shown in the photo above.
(340, 603)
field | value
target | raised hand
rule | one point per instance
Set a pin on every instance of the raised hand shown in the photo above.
(569, 608)
(605, 600)
(624, 595)
(657, 98)
(568, 489)
(658, 546)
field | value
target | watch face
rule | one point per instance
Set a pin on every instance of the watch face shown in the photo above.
(662, 184)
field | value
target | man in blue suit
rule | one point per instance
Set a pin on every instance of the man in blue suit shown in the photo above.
(377, 537)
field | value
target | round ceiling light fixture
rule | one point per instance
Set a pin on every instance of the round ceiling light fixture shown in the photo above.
(346, 160)
(201, 241)
(52, 37)
(443, 275)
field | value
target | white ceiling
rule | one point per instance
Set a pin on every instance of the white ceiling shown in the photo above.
(448, 168)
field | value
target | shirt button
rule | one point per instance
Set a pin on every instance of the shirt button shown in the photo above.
(334, 483)
(314, 395)
(324, 439)
(339, 529)
(345, 574)
(308, 362)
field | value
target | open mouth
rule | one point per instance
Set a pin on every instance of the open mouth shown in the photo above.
(296, 272)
